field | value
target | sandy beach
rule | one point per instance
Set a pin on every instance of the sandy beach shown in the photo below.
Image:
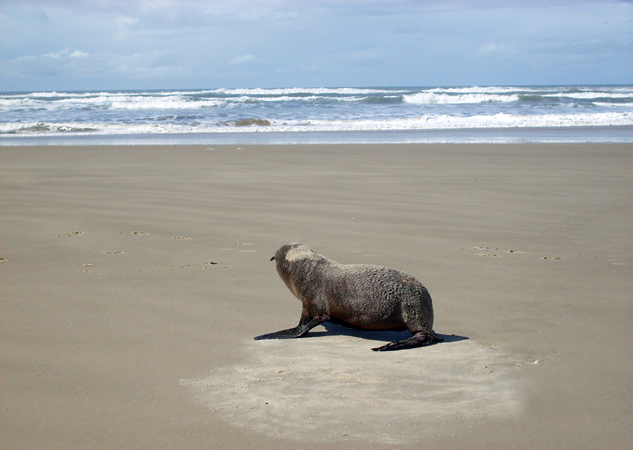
(135, 277)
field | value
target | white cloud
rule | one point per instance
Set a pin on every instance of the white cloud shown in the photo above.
(78, 54)
(489, 48)
(315, 42)
(77, 64)
(124, 23)
(47, 59)
(245, 59)
(492, 48)
(65, 53)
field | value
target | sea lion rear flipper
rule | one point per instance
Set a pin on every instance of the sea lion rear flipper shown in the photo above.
(304, 326)
(420, 339)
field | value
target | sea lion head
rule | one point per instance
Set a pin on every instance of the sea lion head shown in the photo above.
(293, 252)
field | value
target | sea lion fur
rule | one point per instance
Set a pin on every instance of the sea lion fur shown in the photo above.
(360, 296)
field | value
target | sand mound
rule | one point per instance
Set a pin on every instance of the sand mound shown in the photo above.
(333, 388)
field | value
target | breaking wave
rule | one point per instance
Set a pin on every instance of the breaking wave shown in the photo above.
(425, 98)
(284, 110)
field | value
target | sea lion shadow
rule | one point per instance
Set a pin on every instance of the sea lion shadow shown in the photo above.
(386, 336)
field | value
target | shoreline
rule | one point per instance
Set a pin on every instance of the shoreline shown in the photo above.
(553, 135)
(134, 278)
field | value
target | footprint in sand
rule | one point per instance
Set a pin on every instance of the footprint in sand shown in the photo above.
(213, 264)
(246, 244)
(491, 253)
(240, 244)
(487, 253)
(206, 265)
(72, 233)
(616, 262)
(517, 252)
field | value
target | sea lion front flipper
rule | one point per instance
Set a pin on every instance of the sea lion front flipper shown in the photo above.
(420, 339)
(304, 326)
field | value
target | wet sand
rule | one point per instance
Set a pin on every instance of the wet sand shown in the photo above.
(134, 278)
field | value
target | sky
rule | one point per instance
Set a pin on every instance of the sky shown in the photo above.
(206, 44)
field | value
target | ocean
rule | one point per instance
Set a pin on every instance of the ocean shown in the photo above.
(489, 114)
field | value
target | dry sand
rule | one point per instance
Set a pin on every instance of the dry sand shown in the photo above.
(134, 278)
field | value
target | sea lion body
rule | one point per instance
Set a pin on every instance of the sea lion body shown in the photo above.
(360, 296)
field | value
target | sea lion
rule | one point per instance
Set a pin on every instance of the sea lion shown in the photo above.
(360, 296)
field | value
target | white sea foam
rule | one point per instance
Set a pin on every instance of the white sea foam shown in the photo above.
(500, 120)
(172, 102)
(591, 95)
(286, 110)
(482, 90)
(164, 102)
(294, 91)
(628, 105)
(426, 122)
(424, 98)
